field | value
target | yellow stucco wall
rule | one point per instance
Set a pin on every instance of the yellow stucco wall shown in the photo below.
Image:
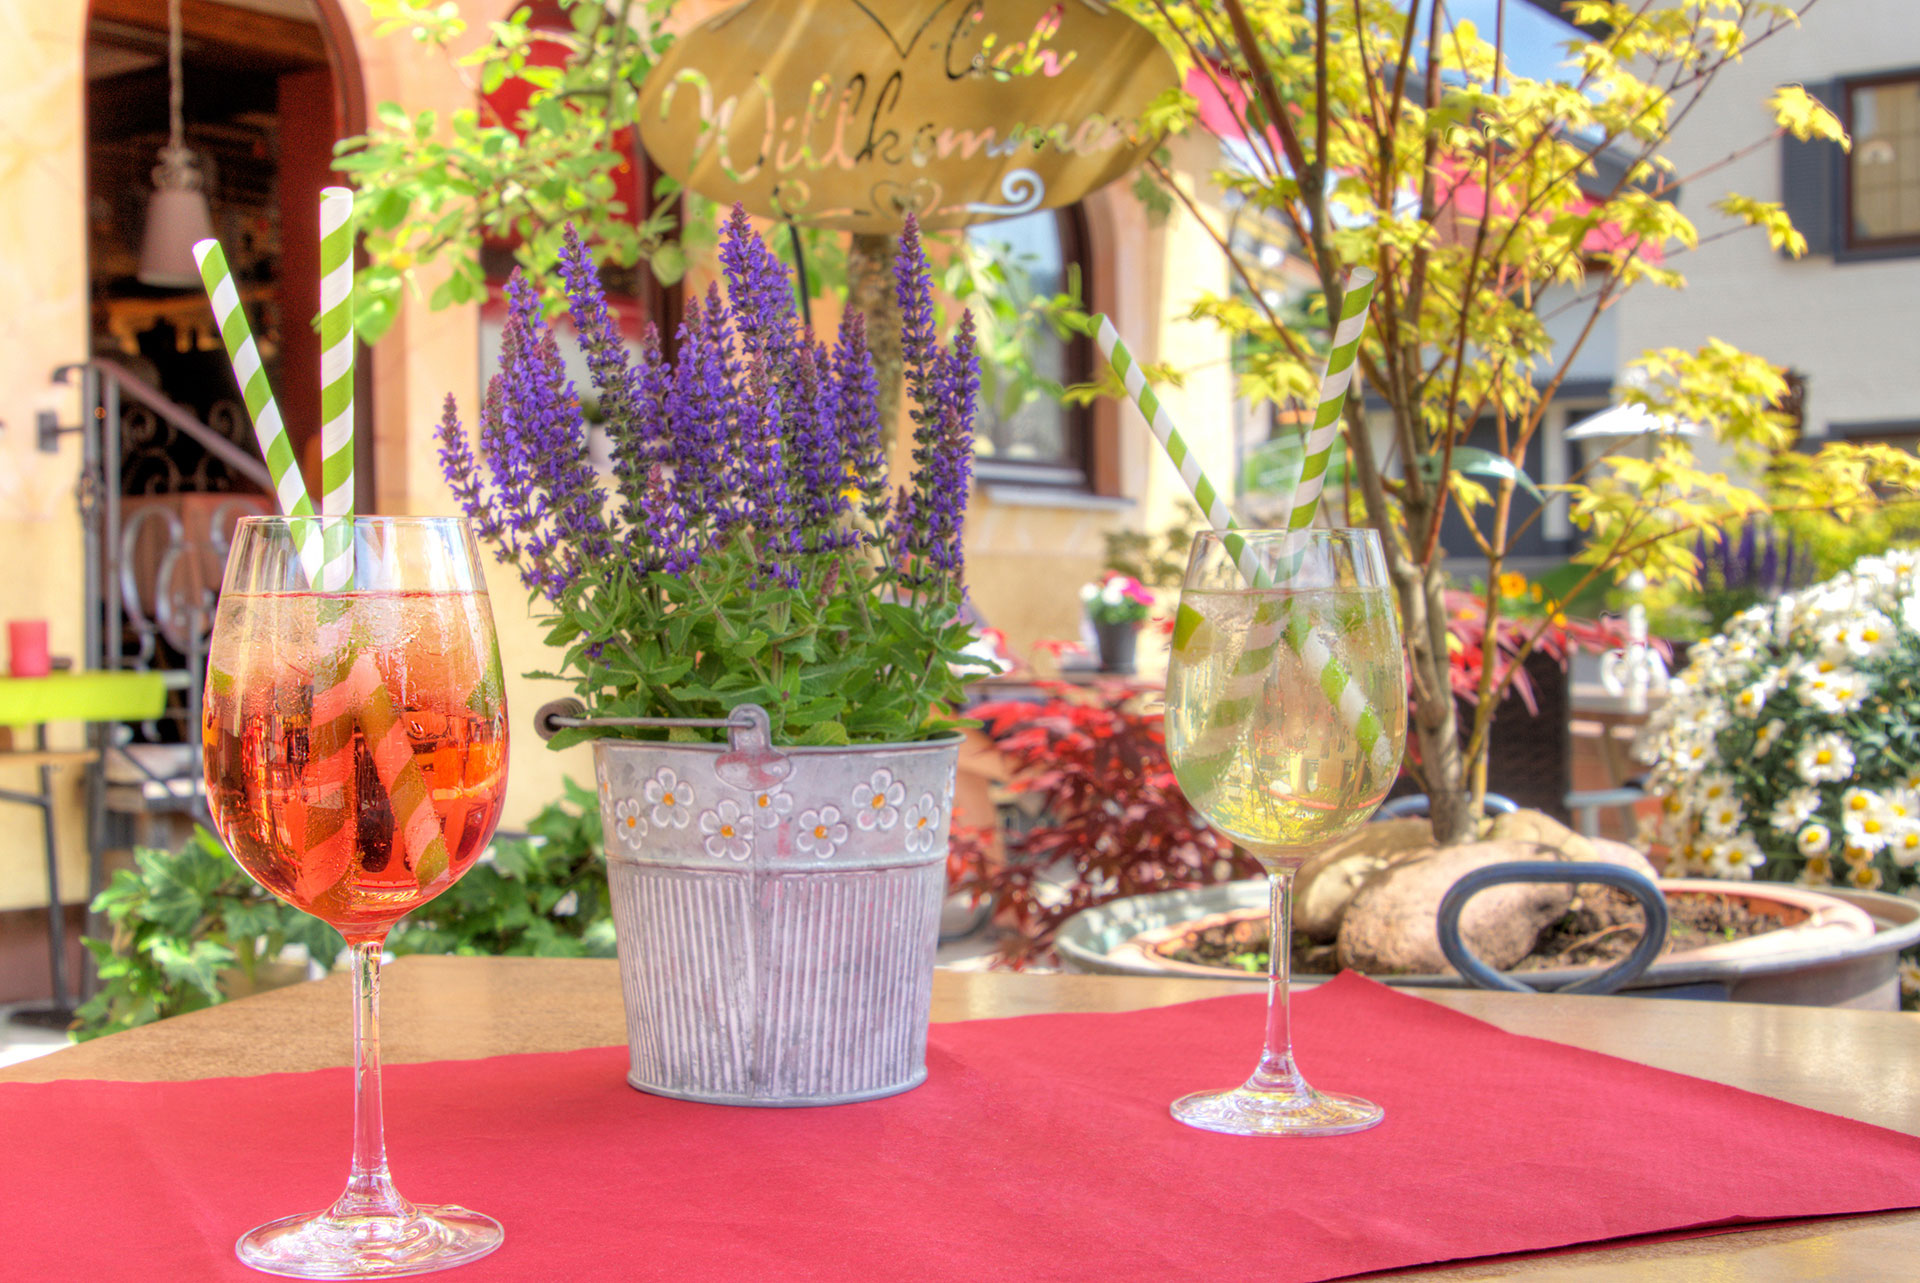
(43, 324)
(1026, 561)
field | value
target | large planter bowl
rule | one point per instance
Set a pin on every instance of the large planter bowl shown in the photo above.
(1837, 949)
(776, 914)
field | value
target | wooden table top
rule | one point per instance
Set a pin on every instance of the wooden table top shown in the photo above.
(1864, 1065)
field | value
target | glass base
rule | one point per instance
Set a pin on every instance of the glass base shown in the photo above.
(1244, 1112)
(319, 1245)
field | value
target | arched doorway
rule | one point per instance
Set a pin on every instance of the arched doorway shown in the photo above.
(269, 87)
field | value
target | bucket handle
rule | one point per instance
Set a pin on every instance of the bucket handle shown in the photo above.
(1620, 974)
(750, 762)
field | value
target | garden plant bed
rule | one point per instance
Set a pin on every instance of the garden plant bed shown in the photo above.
(1600, 929)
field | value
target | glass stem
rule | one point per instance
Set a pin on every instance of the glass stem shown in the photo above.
(370, 1190)
(1277, 1074)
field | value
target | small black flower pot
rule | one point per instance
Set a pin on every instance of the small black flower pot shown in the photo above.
(1117, 643)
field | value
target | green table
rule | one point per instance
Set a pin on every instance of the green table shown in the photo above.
(81, 697)
(67, 697)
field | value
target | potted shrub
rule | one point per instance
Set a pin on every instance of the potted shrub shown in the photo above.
(1502, 215)
(1116, 605)
(777, 856)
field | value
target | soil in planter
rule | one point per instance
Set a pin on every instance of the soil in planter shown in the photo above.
(1599, 929)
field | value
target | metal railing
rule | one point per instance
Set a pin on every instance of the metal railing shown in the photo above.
(151, 577)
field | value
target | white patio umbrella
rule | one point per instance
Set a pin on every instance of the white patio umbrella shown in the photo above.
(1629, 421)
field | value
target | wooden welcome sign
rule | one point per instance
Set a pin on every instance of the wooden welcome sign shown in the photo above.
(849, 113)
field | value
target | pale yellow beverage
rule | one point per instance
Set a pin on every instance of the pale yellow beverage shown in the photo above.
(1257, 744)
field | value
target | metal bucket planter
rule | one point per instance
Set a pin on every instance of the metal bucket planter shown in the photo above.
(776, 912)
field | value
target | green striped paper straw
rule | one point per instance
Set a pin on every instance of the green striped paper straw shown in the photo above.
(252, 377)
(1342, 355)
(268, 427)
(346, 672)
(1334, 679)
(336, 382)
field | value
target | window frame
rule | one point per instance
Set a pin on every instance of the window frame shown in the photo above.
(1075, 471)
(1851, 245)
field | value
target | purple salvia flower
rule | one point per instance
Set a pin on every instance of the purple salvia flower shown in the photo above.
(666, 520)
(506, 462)
(463, 473)
(640, 440)
(539, 450)
(628, 424)
(765, 486)
(817, 451)
(946, 478)
(600, 337)
(759, 291)
(913, 287)
(698, 425)
(857, 413)
(907, 539)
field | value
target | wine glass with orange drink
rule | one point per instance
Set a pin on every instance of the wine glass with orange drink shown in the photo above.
(356, 761)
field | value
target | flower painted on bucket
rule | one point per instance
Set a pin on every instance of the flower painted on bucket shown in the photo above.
(727, 829)
(670, 797)
(820, 833)
(769, 806)
(923, 823)
(629, 825)
(876, 804)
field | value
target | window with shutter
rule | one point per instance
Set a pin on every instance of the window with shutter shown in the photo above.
(1810, 176)
(1025, 435)
(1882, 188)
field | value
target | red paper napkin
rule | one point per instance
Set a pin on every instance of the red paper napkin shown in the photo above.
(1039, 1149)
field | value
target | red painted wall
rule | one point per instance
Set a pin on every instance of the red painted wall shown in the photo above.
(306, 159)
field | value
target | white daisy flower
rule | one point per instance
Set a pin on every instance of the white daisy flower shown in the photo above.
(1905, 848)
(1697, 752)
(1814, 840)
(1717, 787)
(1817, 872)
(1863, 819)
(1841, 691)
(820, 833)
(876, 803)
(1769, 736)
(1722, 819)
(670, 797)
(1824, 759)
(728, 831)
(1733, 858)
(1901, 809)
(1868, 636)
(1864, 877)
(1794, 808)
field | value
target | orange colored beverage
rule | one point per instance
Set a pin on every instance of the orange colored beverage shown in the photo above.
(343, 736)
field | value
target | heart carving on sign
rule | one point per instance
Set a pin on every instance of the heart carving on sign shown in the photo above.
(913, 32)
(899, 198)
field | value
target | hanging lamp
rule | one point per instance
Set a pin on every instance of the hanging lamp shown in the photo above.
(177, 214)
